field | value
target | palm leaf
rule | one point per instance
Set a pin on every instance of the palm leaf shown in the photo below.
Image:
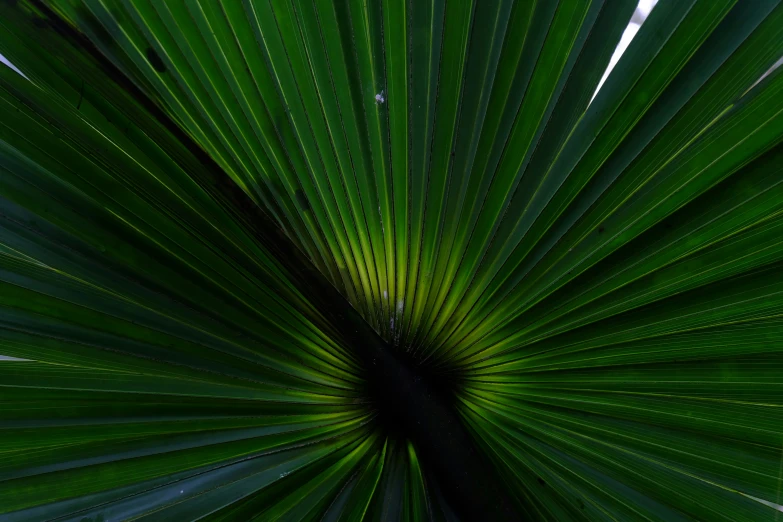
(390, 260)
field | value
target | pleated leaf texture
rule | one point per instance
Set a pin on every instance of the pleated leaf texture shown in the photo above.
(220, 219)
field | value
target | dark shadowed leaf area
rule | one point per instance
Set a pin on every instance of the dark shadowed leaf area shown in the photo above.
(390, 260)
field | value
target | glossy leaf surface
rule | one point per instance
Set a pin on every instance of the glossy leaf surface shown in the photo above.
(593, 282)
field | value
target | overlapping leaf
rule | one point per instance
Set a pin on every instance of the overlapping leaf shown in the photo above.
(174, 368)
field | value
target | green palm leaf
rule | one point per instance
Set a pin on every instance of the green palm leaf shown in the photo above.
(392, 260)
